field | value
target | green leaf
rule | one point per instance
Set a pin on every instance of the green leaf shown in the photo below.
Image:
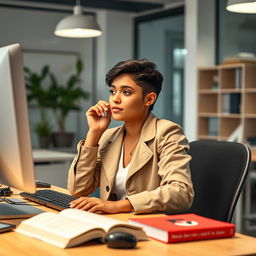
(79, 66)
(44, 72)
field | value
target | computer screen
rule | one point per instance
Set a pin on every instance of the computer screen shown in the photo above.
(16, 161)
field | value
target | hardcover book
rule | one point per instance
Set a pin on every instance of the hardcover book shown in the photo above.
(71, 227)
(183, 227)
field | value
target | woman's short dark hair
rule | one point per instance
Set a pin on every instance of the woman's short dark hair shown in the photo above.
(143, 73)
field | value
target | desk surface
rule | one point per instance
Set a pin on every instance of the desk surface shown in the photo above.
(12, 243)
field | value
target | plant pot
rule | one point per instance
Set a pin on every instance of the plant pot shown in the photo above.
(44, 141)
(62, 139)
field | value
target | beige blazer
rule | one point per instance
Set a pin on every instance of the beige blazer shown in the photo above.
(158, 178)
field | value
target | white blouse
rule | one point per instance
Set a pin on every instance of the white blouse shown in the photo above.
(120, 179)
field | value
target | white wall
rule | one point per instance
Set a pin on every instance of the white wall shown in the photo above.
(200, 45)
(115, 45)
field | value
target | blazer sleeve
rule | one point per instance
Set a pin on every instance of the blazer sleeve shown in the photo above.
(175, 192)
(84, 172)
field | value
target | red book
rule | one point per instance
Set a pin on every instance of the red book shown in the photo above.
(183, 227)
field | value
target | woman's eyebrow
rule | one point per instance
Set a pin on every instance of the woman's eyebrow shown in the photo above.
(123, 87)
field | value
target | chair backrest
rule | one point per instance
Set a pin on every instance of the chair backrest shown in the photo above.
(218, 170)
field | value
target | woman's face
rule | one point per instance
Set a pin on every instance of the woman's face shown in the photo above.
(126, 99)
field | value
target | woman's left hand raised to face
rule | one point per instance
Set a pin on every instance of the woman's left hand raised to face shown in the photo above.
(94, 204)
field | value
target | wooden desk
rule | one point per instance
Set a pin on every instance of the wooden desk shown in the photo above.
(12, 243)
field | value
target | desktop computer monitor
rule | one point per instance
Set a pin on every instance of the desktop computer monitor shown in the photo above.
(16, 161)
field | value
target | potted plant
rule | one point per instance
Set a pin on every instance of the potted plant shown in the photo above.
(65, 98)
(44, 131)
(40, 95)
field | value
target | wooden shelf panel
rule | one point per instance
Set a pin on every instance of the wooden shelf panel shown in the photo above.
(250, 103)
(208, 103)
(208, 91)
(250, 90)
(231, 66)
(207, 78)
(229, 115)
(208, 115)
(231, 90)
(250, 116)
(207, 137)
(223, 138)
(249, 128)
(249, 76)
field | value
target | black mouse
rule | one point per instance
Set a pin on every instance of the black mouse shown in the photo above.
(120, 240)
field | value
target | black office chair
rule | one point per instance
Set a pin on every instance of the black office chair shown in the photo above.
(218, 170)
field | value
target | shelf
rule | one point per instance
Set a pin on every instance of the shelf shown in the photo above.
(230, 115)
(208, 91)
(231, 66)
(252, 116)
(226, 100)
(207, 137)
(232, 90)
(250, 90)
(208, 114)
(223, 138)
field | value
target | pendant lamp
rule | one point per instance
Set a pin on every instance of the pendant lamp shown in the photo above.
(241, 6)
(78, 25)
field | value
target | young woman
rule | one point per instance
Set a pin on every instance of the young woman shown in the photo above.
(142, 166)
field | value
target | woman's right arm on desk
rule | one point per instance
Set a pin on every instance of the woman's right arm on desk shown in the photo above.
(84, 172)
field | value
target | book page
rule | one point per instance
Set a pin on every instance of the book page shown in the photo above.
(96, 219)
(59, 224)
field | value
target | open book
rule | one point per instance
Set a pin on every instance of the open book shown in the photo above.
(71, 227)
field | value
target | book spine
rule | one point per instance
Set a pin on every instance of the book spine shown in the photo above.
(226, 103)
(201, 234)
(235, 100)
(238, 78)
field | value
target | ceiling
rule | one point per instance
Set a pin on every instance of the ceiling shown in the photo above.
(122, 5)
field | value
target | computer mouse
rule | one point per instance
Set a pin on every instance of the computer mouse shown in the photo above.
(120, 240)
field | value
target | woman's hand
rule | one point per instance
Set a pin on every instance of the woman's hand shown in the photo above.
(94, 204)
(99, 116)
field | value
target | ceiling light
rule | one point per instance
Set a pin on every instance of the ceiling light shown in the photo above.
(241, 6)
(78, 25)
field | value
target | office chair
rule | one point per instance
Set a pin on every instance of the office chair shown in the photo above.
(218, 170)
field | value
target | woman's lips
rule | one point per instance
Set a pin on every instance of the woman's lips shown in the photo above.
(116, 109)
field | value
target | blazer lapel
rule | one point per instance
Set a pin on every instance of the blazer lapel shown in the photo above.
(143, 153)
(112, 151)
(141, 157)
